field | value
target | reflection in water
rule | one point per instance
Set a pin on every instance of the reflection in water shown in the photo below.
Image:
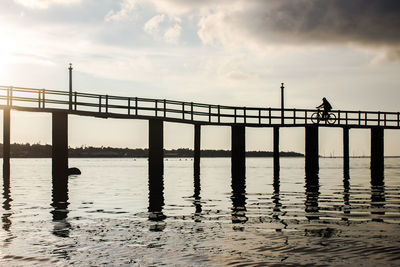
(5, 218)
(346, 197)
(312, 194)
(197, 198)
(60, 204)
(156, 201)
(377, 198)
(238, 198)
(277, 200)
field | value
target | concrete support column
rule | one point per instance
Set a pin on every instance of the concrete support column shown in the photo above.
(238, 161)
(6, 136)
(238, 154)
(312, 160)
(60, 144)
(377, 153)
(197, 138)
(156, 148)
(276, 152)
(346, 157)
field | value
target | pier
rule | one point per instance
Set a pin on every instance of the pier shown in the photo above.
(61, 104)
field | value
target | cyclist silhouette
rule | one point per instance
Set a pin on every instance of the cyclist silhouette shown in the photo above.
(327, 108)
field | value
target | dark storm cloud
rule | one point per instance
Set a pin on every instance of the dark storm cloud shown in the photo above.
(375, 22)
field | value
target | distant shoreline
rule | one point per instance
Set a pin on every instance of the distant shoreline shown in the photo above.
(45, 151)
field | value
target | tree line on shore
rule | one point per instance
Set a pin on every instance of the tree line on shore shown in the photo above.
(44, 151)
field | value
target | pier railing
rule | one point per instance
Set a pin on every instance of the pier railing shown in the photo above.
(186, 112)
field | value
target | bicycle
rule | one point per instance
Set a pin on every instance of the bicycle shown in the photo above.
(319, 116)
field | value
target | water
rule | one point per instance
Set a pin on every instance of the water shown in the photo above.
(108, 219)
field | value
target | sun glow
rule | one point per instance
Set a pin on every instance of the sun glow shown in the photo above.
(6, 52)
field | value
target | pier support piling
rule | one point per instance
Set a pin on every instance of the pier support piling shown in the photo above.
(197, 138)
(60, 144)
(156, 148)
(377, 153)
(238, 154)
(276, 152)
(6, 136)
(312, 160)
(346, 157)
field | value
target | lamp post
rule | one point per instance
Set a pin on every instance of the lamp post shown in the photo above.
(70, 86)
(282, 104)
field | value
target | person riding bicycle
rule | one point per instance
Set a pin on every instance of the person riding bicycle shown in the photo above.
(327, 108)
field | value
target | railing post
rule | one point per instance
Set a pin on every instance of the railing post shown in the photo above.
(235, 113)
(269, 115)
(219, 113)
(44, 98)
(339, 117)
(11, 96)
(129, 106)
(136, 106)
(106, 103)
(191, 110)
(209, 113)
(156, 108)
(8, 96)
(398, 119)
(39, 98)
(294, 116)
(259, 116)
(359, 118)
(379, 118)
(183, 110)
(100, 103)
(366, 118)
(75, 102)
(347, 121)
(305, 118)
(384, 119)
(244, 115)
(165, 108)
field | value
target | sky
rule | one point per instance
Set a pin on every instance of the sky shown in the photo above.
(228, 52)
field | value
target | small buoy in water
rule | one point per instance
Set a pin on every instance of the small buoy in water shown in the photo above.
(73, 171)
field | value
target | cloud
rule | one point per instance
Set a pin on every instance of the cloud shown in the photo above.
(259, 23)
(126, 11)
(152, 26)
(43, 4)
(172, 34)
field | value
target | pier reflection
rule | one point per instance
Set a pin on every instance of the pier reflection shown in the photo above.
(378, 197)
(60, 205)
(346, 197)
(312, 195)
(6, 205)
(197, 198)
(276, 198)
(238, 198)
(156, 201)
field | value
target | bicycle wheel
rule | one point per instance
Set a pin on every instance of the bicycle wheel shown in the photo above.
(315, 117)
(332, 118)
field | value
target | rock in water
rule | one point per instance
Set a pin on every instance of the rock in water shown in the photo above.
(73, 171)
